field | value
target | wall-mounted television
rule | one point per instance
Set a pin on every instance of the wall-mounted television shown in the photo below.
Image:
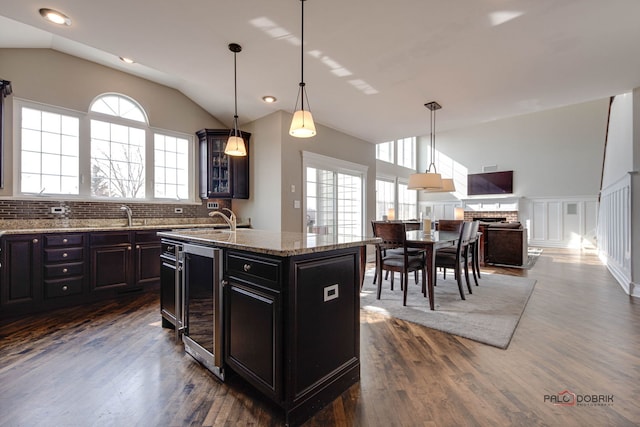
(490, 183)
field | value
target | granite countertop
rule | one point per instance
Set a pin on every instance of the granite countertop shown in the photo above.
(77, 226)
(269, 242)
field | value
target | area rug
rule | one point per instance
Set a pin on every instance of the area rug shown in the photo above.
(490, 315)
(532, 256)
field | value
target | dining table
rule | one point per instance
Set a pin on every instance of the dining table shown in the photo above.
(430, 242)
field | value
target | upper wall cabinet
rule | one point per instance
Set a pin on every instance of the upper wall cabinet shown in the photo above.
(222, 176)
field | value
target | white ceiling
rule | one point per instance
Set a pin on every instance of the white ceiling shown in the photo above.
(370, 65)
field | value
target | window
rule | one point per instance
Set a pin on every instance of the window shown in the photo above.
(49, 144)
(405, 155)
(117, 160)
(124, 157)
(171, 157)
(407, 152)
(334, 196)
(407, 202)
(385, 151)
(385, 197)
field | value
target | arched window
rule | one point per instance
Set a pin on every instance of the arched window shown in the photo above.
(118, 148)
(119, 106)
(127, 158)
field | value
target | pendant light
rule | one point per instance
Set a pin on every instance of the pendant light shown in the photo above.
(428, 180)
(235, 143)
(302, 125)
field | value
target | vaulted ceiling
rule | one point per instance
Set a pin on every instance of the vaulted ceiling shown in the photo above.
(369, 65)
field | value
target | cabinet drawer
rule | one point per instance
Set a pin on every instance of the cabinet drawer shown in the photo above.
(64, 254)
(62, 287)
(63, 240)
(146, 236)
(265, 271)
(110, 238)
(63, 270)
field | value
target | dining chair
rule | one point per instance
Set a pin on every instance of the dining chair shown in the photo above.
(393, 236)
(450, 225)
(457, 260)
(472, 251)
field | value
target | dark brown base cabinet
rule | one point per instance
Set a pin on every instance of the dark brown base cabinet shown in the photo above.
(21, 272)
(45, 271)
(292, 326)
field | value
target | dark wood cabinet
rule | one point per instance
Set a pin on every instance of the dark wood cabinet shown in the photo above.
(111, 260)
(124, 259)
(21, 271)
(40, 272)
(64, 264)
(170, 283)
(222, 176)
(146, 258)
(253, 332)
(292, 326)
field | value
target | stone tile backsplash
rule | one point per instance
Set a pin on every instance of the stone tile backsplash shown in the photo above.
(81, 212)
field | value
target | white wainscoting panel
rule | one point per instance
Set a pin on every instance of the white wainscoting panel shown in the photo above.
(614, 230)
(562, 222)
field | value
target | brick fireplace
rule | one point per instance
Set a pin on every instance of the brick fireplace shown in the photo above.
(509, 216)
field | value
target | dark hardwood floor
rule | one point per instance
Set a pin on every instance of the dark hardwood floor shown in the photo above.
(114, 365)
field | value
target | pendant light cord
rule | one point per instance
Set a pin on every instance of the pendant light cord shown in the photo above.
(235, 95)
(303, 92)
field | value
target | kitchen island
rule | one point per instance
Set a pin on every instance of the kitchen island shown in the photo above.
(290, 318)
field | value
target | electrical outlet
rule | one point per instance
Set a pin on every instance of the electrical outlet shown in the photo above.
(177, 210)
(212, 205)
(57, 209)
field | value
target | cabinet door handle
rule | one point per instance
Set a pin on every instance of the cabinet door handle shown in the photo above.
(64, 255)
(35, 240)
(64, 270)
(65, 288)
(246, 267)
(137, 246)
(129, 248)
(65, 241)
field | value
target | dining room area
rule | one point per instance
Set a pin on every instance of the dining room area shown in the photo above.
(430, 274)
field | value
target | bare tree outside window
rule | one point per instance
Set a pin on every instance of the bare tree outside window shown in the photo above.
(117, 161)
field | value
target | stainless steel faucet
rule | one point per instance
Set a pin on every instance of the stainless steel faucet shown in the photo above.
(231, 219)
(127, 209)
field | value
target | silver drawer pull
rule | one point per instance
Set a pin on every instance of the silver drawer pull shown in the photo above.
(35, 240)
(65, 241)
(65, 288)
(64, 270)
(64, 255)
(247, 267)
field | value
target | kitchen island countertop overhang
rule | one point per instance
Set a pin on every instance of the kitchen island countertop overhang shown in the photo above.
(283, 244)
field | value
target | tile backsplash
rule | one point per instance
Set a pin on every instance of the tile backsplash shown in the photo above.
(82, 210)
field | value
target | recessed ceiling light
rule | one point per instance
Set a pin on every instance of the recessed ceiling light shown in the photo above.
(126, 60)
(55, 17)
(269, 99)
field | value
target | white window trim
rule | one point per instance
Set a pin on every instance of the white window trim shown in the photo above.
(320, 161)
(85, 154)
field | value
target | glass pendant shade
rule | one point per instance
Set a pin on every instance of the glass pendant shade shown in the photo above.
(425, 181)
(302, 125)
(235, 144)
(235, 147)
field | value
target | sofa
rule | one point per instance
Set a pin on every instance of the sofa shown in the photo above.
(505, 243)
